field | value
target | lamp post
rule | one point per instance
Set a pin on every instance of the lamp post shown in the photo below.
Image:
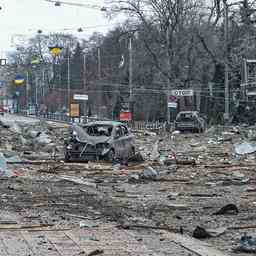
(55, 51)
(84, 80)
(226, 115)
(99, 63)
(69, 99)
(130, 74)
(90, 6)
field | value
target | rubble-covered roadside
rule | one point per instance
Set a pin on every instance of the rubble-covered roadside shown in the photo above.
(182, 186)
(36, 140)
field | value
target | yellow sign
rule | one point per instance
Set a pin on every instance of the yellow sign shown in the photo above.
(74, 110)
(56, 51)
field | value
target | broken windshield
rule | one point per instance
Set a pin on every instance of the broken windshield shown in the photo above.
(186, 117)
(99, 130)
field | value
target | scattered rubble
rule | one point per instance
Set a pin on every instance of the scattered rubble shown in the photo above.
(245, 148)
(247, 244)
(202, 233)
(35, 136)
(175, 183)
(227, 209)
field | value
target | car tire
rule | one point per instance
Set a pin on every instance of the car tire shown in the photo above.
(67, 158)
(133, 152)
(111, 155)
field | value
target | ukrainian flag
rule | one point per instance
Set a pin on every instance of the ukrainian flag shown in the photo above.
(19, 79)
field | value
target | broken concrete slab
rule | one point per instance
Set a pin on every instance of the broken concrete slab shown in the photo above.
(245, 148)
(199, 247)
(202, 233)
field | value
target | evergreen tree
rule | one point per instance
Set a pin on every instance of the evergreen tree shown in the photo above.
(76, 68)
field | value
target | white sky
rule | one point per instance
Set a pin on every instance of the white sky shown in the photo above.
(25, 17)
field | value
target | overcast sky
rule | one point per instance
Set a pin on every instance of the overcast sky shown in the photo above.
(25, 17)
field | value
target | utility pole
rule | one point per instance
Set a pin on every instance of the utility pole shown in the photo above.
(43, 85)
(226, 115)
(36, 91)
(130, 74)
(245, 97)
(27, 91)
(68, 101)
(99, 63)
(84, 68)
(168, 70)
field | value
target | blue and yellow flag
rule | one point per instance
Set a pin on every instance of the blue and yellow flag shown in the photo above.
(19, 79)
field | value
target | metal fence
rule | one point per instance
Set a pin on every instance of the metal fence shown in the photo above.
(135, 125)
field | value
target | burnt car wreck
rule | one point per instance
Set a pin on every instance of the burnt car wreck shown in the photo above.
(106, 140)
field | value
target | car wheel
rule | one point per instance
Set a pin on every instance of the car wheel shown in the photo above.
(111, 155)
(133, 151)
(67, 157)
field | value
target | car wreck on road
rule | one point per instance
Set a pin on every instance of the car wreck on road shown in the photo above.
(107, 140)
(190, 121)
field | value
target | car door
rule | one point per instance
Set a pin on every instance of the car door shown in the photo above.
(128, 142)
(118, 141)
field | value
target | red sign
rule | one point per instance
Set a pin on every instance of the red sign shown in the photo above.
(172, 98)
(125, 116)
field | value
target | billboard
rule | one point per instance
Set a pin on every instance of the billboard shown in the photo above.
(74, 110)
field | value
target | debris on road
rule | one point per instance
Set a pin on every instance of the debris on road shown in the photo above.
(227, 209)
(202, 233)
(247, 244)
(149, 173)
(95, 252)
(245, 148)
(173, 182)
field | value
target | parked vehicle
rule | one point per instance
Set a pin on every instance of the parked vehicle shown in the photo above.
(31, 110)
(190, 121)
(99, 140)
(2, 110)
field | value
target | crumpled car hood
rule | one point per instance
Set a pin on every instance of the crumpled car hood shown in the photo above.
(82, 136)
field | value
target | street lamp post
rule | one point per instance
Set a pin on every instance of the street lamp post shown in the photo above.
(130, 74)
(99, 63)
(27, 90)
(168, 72)
(55, 51)
(226, 115)
(84, 80)
(69, 99)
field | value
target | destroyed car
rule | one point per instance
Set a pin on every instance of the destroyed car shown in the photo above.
(107, 140)
(190, 121)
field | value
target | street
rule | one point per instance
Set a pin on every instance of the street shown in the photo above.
(49, 207)
(128, 128)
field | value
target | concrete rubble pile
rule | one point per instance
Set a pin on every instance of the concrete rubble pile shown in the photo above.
(32, 140)
(199, 185)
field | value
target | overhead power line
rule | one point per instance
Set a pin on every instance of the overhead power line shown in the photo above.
(91, 6)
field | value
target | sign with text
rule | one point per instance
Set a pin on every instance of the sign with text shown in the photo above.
(182, 93)
(172, 104)
(80, 97)
(74, 110)
(250, 93)
(2, 83)
(126, 116)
